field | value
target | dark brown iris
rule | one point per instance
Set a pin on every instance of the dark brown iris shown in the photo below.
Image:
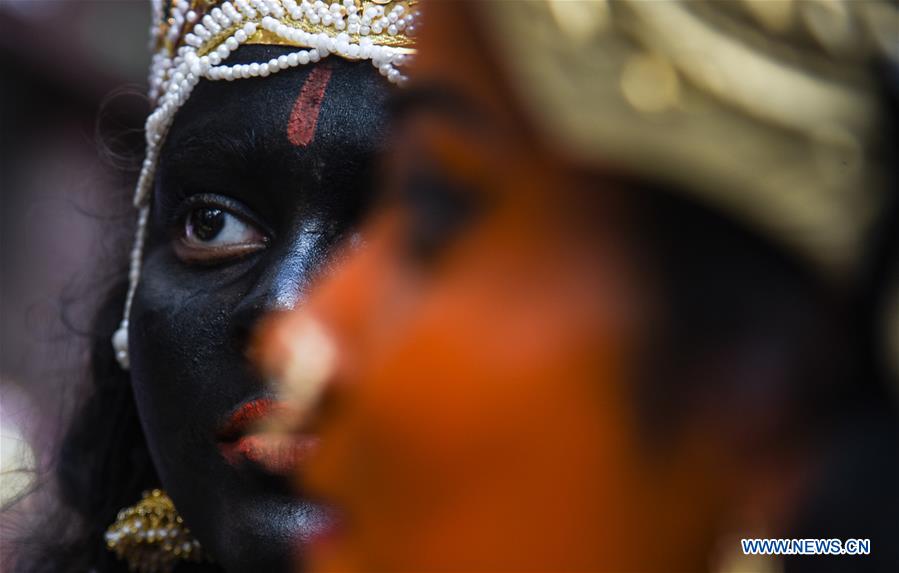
(206, 223)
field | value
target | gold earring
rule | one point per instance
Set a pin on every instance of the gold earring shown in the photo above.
(151, 536)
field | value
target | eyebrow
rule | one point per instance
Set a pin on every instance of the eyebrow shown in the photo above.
(204, 145)
(437, 98)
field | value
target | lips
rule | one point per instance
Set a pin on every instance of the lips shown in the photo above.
(248, 437)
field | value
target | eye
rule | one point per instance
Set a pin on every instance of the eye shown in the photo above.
(440, 208)
(213, 233)
(213, 227)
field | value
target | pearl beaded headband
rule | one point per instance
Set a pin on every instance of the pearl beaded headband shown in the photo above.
(192, 39)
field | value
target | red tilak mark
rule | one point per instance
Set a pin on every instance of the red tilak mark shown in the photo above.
(304, 117)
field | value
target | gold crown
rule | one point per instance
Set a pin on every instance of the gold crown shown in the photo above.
(382, 22)
(767, 110)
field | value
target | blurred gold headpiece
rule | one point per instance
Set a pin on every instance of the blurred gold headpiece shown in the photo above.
(192, 40)
(765, 109)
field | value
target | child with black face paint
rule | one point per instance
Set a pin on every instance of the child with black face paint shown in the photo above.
(249, 185)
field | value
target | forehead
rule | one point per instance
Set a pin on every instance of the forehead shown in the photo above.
(349, 111)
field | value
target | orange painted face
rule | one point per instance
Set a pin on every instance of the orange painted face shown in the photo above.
(479, 414)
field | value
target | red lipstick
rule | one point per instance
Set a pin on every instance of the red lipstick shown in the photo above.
(245, 438)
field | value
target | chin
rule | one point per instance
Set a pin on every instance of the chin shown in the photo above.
(265, 533)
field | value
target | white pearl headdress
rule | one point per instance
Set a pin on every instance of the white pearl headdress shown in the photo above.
(193, 38)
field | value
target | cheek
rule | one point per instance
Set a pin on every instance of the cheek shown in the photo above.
(492, 420)
(183, 360)
(188, 333)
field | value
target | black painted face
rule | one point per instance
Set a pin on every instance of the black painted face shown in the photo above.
(248, 205)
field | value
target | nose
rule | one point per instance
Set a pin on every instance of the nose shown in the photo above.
(284, 276)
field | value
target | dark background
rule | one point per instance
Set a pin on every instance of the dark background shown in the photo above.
(72, 79)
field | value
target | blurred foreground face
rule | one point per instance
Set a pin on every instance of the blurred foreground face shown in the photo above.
(480, 416)
(533, 365)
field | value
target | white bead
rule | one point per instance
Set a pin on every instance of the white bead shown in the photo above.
(219, 16)
(276, 9)
(260, 7)
(304, 57)
(230, 12)
(211, 24)
(120, 344)
(292, 59)
(120, 338)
